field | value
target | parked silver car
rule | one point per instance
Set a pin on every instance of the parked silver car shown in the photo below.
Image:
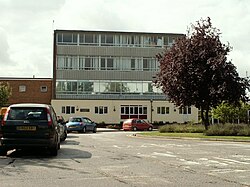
(81, 124)
(63, 129)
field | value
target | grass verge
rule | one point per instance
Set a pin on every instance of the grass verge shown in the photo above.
(195, 135)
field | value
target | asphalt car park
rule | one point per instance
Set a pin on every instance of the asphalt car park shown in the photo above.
(120, 158)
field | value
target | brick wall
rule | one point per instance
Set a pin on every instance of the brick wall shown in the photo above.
(33, 92)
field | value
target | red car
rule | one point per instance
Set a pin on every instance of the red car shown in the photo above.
(136, 124)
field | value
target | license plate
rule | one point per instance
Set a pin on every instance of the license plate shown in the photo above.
(26, 128)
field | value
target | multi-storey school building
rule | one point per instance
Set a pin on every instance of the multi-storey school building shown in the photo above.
(107, 76)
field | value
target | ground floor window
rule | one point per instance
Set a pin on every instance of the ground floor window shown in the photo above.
(101, 110)
(185, 110)
(162, 110)
(68, 109)
(133, 111)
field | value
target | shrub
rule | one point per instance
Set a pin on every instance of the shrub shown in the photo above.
(228, 130)
(114, 126)
(101, 125)
(182, 128)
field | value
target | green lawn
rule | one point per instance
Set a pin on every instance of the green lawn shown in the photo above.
(195, 135)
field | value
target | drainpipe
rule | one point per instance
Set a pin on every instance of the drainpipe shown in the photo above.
(151, 110)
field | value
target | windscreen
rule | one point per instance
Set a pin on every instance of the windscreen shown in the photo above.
(27, 114)
(75, 120)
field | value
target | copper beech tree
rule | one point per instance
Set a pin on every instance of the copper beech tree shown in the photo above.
(195, 71)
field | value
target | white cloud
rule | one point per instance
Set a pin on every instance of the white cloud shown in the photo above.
(26, 26)
(4, 50)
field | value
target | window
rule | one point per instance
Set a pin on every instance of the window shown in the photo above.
(110, 63)
(22, 88)
(133, 111)
(84, 110)
(68, 109)
(88, 39)
(185, 110)
(105, 86)
(101, 110)
(66, 38)
(162, 110)
(107, 40)
(43, 88)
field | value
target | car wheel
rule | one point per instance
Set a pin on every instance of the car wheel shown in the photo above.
(83, 130)
(94, 130)
(134, 129)
(58, 146)
(64, 136)
(150, 128)
(3, 151)
(54, 150)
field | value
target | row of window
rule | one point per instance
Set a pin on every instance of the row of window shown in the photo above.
(107, 63)
(165, 110)
(105, 86)
(22, 88)
(135, 40)
(125, 110)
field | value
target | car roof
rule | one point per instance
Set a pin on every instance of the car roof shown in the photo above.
(79, 117)
(130, 119)
(30, 105)
(76, 117)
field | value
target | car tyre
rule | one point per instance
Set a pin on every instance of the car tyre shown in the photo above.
(83, 130)
(94, 130)
(54, 150)
(150, 128)
(64, 137)
(3, 151)
(134, 129)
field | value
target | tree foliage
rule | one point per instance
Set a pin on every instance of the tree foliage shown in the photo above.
(5, 93)
(228, 113)
(195, 71)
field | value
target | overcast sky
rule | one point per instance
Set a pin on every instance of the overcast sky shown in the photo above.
(26, 26)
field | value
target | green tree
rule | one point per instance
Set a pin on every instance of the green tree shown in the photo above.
(195, 71)
(228, 113)
(5, 93)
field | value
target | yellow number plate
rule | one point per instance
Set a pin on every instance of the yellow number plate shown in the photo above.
(26, 128)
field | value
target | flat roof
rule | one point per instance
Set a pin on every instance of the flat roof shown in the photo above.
(23, 78)
(117, 32)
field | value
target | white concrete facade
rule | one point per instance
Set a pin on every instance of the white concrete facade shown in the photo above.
(114, 111)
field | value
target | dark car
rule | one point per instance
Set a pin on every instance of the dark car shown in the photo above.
(30, 126)
(81, 124)
(136, 124)
(63, 128)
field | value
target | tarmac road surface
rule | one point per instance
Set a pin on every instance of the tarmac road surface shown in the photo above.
(118, 158)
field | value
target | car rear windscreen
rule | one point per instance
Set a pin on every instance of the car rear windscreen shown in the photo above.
(75, 120)
(30, 113)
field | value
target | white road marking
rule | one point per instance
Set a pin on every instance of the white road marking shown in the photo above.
(231, 161)
(164, 154)
(190, 162)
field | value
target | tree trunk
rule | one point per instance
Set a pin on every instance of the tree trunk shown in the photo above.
(202, 117)
(205, 117)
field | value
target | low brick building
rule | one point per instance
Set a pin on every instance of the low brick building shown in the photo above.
(29, 90)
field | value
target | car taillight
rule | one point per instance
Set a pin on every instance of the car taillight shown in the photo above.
(49, 118)
(5, 117)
